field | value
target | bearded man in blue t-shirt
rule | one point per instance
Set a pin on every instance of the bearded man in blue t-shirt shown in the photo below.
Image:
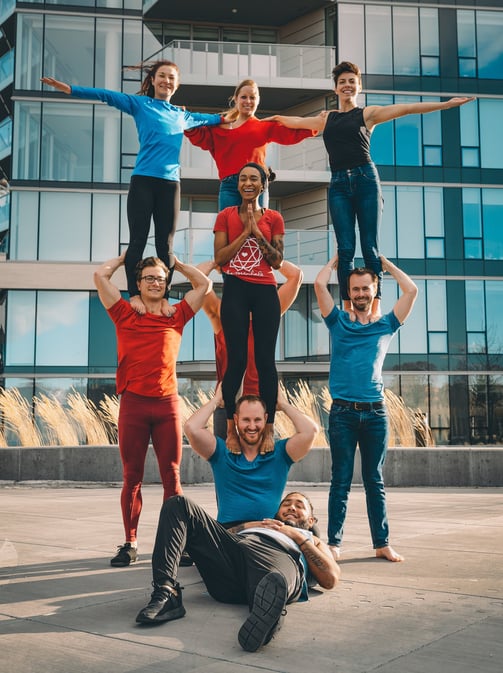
(359, 343)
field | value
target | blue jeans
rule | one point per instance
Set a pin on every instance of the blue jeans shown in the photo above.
(369, 429)
(229, 195)
(356, 194)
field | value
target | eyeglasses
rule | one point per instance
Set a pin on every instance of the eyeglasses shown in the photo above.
(150, 280)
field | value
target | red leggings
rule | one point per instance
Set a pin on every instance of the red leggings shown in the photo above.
(142, 418)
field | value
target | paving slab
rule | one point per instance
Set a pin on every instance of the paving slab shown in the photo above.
(64, 609)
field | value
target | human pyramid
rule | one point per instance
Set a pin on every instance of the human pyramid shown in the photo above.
(264, 548)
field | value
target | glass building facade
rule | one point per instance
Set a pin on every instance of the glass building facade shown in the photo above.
(69, 163)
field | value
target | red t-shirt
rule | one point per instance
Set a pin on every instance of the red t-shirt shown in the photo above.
(248, 263)
(233, 148)
(250, 381)
(147, 349)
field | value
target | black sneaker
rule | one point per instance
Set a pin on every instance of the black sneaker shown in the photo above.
(163, 607)
(125, 556)
(266, 614)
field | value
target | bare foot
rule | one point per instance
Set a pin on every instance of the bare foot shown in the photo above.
(336, 552)
(167, 309)
(232, 441)
(268, 440)
(389, 554)
(137, 304)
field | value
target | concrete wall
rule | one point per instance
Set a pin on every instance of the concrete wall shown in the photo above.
(439, 466)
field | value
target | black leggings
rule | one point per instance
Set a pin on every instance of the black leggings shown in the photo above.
(241, 299)
(150, 198)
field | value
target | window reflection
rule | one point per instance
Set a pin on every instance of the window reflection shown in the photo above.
(62, 329)
(65, 220)
(20, 336)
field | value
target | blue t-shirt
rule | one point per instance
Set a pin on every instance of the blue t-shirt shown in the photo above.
(249, 490)
(160, 126)
(357, 355)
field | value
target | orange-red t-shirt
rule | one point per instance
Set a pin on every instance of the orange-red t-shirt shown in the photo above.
(147, 349)
(248, 263)
(250, 382)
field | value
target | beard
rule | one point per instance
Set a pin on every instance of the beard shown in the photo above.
(362, 304)
(302, 524)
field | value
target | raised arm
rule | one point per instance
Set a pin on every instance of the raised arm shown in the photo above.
(376, 114)
(408, 288)
(305, 429)
(201, 284)
(289, 290)
(108, 293)
(200, 438)
(56, 84)
(325, 299)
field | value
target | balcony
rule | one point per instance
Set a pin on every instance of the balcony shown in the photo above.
(287, 74)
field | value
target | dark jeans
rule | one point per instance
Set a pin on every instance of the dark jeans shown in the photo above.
(241, 299)
(230, 565)
(356, 194)
(157, 199)
(369, 429)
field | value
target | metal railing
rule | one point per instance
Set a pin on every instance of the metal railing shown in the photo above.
(269, 62)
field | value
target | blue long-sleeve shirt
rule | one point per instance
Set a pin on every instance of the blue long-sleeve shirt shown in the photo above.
(160, 126)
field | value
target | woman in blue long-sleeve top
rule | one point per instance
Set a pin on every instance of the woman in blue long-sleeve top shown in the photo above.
(154, 190)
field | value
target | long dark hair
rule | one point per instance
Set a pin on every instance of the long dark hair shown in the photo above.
(147, 88)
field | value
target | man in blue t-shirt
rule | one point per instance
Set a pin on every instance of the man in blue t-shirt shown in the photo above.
(359, 344)
(249, 485)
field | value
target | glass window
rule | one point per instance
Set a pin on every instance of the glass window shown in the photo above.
(492, 200)
(20, 338)
(437, 305)
(318, 333)
(405, 41)
(470, 157)
(433, 211)
(469, 125)
(494, 302)
(476, 342)
(388, 235)
(432, 156)
(428, 26)
(106, 144)
(105, 227)
(29, 51)
(65, 227)
(383, 137)
(62, 329)
(295, 327)
(413, 333)
(473, 248)
(66, 147)
(491, 132)
(437, 342)
(490, 44)
(107, 54)
(475, 311)
(69, 49)
(410, 220)
(24, 226)
(435, 248)
(131, 42)
(351, 32)
(408, 146)
(204, 345)
(379, 40)
(25, 161)
(466, 34)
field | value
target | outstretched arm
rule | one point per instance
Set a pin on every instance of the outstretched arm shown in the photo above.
(56, 84)
(376, 114)
(201, 284)
(108, 293)
(405, 302)
(201, 439)
(325, 299)
(311, 123)
(305, 429)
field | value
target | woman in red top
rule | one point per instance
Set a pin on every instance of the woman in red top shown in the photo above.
(248, 246)
(241, 139)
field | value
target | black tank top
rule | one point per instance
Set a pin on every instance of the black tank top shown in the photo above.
(347, 139)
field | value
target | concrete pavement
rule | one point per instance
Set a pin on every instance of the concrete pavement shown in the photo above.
(65, 610)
